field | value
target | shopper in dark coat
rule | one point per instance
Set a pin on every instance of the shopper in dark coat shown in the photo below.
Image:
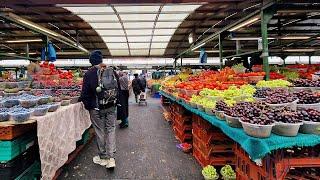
(143, 83)
(136, 86)
(123, 109)
(102, 116)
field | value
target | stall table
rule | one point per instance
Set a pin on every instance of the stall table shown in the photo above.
(257, 148)
(58, 133)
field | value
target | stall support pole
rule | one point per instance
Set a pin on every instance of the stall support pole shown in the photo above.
(181, 62)
(309, 60)
(27, 50)
(266, 16)
(237, 47)
(46, 47)
(220, 51)
(175, 66)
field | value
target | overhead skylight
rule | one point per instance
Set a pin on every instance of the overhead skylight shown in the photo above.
(145, 29)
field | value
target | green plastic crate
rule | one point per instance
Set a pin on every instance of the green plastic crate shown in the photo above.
(32, 173)
(11, 149)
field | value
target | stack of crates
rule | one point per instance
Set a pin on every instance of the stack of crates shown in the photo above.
(182, 123)
(210, 145)
(279, 163)
(18, 150)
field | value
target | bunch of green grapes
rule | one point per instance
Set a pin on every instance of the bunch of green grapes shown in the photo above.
(274, 83)
(228, 172)
(210, 172)
(247, 90)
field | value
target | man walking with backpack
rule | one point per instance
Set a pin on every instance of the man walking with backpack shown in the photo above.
(99, 96)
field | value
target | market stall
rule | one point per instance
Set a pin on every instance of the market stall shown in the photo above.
(43, 115)
(264, 124)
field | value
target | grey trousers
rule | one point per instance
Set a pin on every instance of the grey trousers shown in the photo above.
(103, 122)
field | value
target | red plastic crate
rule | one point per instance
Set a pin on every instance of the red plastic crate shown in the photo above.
(208, 149)
(211, 160)
(247, 169)
(208, 136)
(182, 136)
(203, 124)
(183, 128)
(182, 119)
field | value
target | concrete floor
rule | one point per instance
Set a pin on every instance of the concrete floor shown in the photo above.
(145, 150)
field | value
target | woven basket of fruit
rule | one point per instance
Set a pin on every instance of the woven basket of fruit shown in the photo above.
(200, 107)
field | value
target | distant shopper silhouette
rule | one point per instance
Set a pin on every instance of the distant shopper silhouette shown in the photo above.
(137, 86)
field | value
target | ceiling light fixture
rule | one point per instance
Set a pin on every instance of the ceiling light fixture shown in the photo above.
(198, 46)
(209, 51)
(30, 53)
(300, 50)
(245, 23)
(69, 53)
(295, 37)
(190, 38)
(25, 22)
(24, 40)
(248, 38)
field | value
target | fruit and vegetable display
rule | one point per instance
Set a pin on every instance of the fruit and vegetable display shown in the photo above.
(280, 96)
(286, 115)
(239, 68)
(21, 107)
(209, 172)
(50, 77)
(307, 97)
(261, 92)
(309, 115)
(227, 172)
(274, 83)
(20, 114)
(40, 110)
(221, 106)
(268, 103)
(306, 83)
(4, 114)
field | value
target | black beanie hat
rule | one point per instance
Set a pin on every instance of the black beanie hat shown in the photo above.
(95, 57)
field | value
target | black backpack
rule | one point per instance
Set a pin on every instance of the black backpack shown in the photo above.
(108, 82)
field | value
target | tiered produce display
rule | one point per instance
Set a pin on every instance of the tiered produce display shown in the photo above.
(251, 109)
(22, 101)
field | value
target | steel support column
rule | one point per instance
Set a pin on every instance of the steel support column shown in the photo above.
(220, 51)
(27, 50)
(310, 60)
(266, 16)
(237, 47)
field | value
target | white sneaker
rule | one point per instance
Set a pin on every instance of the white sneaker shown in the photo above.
(102, 162)
(111, 163)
